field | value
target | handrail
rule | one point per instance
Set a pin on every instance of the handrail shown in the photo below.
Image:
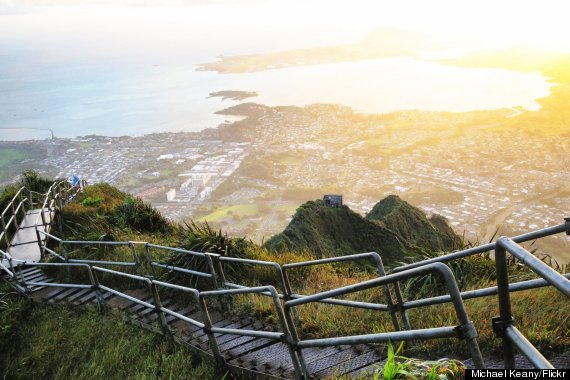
(9, 205)
(564, 227)
(210, 258)
(12, 221)
(553, 277)
(503, 325)
(366, 305)
(288, 336)
(478, 293)
(465, 329)
(286, 302)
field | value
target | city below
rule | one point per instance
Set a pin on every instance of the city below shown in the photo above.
(477, 169)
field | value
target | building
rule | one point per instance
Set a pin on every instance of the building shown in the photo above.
(171, 195)
(332, 200)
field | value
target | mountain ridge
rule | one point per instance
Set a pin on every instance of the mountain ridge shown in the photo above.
(330, 231)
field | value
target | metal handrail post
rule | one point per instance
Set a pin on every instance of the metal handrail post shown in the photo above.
(22, 278)
(295, 319)
(149, 260)
(135, 257)
(210, 260)
(527, 349)
(43, 217)
(553, 277)
(11, 264)
(295, 351)
(400, 300)
(505, 318)
(220, 269)
(291, 316)
(389, 300)
(217, 272)
(158, 309)
(467, 329)
(42, 252)
(213, 342)
(57, 214)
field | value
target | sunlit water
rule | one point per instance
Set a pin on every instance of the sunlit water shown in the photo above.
(136, 98)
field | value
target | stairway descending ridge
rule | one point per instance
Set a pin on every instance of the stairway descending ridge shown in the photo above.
(244, 345)
(258, 357)
(24, 246)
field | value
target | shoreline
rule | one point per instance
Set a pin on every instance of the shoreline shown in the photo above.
(230, 112)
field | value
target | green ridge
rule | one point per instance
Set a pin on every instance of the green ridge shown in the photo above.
(411, 224)
(328, 231)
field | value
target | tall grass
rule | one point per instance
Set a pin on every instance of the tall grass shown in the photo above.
(60, 342)
(539, 312)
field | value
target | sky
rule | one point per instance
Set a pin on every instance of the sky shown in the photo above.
(249, 26)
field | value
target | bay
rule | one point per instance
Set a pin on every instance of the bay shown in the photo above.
(139, 97)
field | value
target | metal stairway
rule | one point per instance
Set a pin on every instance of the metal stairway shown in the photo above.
(253, 356)
(27, 217)
(24, 245)
(247, 346)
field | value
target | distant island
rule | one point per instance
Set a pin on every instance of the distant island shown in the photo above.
(232, 95)
(382, 43)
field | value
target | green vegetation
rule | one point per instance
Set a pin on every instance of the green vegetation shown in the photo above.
(15, 158)
(91, 201)
(230, 211)
(31, 180)
(411, 224)
(327, 231)
(400, 367)
(10, 155)
(541, 314)
(102, 212)
(393, 228)
(61, 342)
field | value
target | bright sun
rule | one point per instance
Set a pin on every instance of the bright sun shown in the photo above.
(485, 23)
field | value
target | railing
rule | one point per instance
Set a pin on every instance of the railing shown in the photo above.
(59, 194)
(211, 267)
(25, 200)
(503, 325)
(284, 309)
(465, 330)
(13, 215)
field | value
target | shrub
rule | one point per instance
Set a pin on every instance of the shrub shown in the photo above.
(92, 201)
(135, 214)
(34, 182)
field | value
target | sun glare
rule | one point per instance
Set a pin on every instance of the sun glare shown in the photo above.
(483, 23)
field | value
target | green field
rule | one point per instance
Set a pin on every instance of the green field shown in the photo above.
(16, 158)
(9, 156)
(230, 211)
(10, 159)
(289, 208)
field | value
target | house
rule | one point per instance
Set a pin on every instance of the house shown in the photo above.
(332, 200)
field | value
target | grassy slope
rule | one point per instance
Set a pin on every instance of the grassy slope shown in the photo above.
(411, 224)
(328, 231)
(541, 314)
(542, 320)
(60, 342)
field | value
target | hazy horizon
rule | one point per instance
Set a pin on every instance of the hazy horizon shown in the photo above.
(83, 67)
